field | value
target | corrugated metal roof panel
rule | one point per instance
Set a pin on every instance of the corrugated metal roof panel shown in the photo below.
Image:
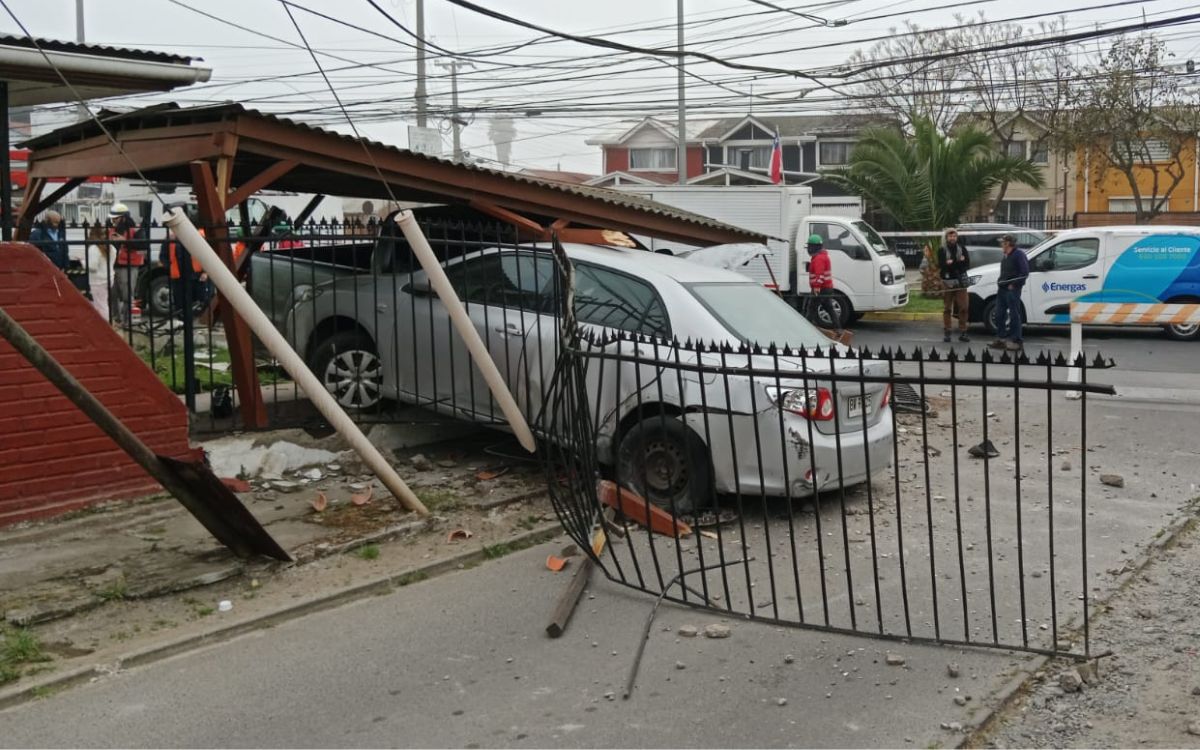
(56, 45)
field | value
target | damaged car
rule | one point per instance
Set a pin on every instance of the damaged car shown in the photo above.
(681, 423)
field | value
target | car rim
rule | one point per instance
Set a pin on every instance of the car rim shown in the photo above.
(162, 299)
(1185, 330)
(824, 314)
(353, 377)
(665, 468)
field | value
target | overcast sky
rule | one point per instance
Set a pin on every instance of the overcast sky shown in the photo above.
(554, 103)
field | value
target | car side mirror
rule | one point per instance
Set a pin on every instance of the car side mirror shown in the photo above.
(419, 287)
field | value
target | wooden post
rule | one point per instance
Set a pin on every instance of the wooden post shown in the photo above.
(28, 210)
(237, 333)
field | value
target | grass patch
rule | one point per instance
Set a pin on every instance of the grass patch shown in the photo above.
(115, 591)
(368, 552)
(204, 611)
(496, 551)
(18, 648)
(169, 368)
(439, 500)
(919, 303)
(43, 691)
(529, 522)
(414, 577)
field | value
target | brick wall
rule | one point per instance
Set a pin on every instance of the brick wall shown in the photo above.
(53, 458)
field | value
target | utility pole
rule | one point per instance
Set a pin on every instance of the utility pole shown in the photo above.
(456, 120)
(421, 95)
(681, 147)
(79, 37)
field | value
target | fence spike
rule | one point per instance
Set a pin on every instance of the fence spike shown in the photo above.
(969, 356)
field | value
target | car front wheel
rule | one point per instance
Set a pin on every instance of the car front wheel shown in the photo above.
(349, 368)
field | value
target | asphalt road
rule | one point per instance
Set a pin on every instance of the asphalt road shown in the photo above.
(1149, 366)
(462, 661)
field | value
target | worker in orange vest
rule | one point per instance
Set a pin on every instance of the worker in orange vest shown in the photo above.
(177, 259)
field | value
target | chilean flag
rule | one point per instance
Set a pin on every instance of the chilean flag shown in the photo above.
(776, 160)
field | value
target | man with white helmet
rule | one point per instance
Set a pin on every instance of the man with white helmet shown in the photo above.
(131, 257)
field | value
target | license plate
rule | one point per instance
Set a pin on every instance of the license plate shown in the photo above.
(855, 406)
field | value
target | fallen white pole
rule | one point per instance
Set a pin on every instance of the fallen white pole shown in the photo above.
(466, 329)
(228, 285)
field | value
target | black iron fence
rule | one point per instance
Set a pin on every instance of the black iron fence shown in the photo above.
(811, 495)
(350, 298)
(908, 495)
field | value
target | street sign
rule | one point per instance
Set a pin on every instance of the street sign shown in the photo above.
(425, 140)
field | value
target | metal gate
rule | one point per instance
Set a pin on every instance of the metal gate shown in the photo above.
(901, 495)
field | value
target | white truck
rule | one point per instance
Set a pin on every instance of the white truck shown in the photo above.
(867, 275)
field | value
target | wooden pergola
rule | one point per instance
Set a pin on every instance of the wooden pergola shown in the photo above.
(228, 153)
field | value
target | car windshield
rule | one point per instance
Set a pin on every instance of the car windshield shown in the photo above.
(873, 238)
(754, 315)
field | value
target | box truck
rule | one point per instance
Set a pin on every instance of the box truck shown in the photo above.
(867, 274)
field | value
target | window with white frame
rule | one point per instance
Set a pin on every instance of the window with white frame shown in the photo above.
(1016, 149)
(1128, 205)
(1039, 153)
(1021, 212)
(1150, 151)
(834, 153)
(748, 157)
(652, 158)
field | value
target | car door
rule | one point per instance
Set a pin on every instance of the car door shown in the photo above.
(848, 258)
(502, 292)
(1058, 275)
(609, 303)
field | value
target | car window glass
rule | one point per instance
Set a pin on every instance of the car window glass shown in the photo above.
(1069, 255)
(523, 280)
(613, 300)
(838, 238)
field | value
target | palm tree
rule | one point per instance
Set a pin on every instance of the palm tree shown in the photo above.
(929, 180)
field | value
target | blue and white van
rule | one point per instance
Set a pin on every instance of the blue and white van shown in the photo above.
(1140, 264)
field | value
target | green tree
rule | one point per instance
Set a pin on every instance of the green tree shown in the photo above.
(929, 180)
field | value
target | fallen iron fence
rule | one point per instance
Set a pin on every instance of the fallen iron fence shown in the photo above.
(785, 486)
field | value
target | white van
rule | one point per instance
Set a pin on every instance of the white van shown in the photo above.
(867, 274)
(1132, 264)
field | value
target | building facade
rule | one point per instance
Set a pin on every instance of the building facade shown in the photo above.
(734, 150)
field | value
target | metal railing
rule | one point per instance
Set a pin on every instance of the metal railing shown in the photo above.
(812, 497)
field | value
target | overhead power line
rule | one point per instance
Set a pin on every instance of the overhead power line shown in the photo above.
(801, 14)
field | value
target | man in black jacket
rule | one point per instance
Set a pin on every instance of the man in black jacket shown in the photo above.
(953, 262)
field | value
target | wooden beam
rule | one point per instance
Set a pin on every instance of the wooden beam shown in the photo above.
(237, 333)
(259, 181)
(58, 192)
(509, 217)
(148, 155)
(308, 210)
(559, 225)
(28, 210)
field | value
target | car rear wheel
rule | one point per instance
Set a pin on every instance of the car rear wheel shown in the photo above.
(1183, 332)
(989, 316)
(350, 369)
(662, 460)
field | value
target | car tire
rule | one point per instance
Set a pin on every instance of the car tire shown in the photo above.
(843, 307)
(665, 462)
(1183, 332)
(158, 296)
(348, 365)
(989, 316)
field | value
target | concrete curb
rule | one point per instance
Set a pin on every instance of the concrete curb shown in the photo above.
(887, 316)
(1016, 687)
(384, 584)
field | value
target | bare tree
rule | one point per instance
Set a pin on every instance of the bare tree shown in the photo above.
(1136, 118)
(912, 90)
(1023, 88)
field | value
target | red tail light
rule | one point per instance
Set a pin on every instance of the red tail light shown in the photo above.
(812, 403)
(887, 396)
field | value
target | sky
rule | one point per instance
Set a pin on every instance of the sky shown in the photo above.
(556, 93)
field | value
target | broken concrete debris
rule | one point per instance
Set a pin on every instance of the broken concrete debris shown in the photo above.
(687, 631)
(1112, 480)
(1070, 681)
(895, 660)
(717, 630)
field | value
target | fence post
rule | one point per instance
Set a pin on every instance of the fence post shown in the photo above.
(1076, 353)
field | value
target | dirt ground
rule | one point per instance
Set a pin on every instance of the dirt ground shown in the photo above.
(1147, 694)
(110, 571)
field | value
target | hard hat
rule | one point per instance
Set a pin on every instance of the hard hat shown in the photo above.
(118, 209)
(815, 239)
